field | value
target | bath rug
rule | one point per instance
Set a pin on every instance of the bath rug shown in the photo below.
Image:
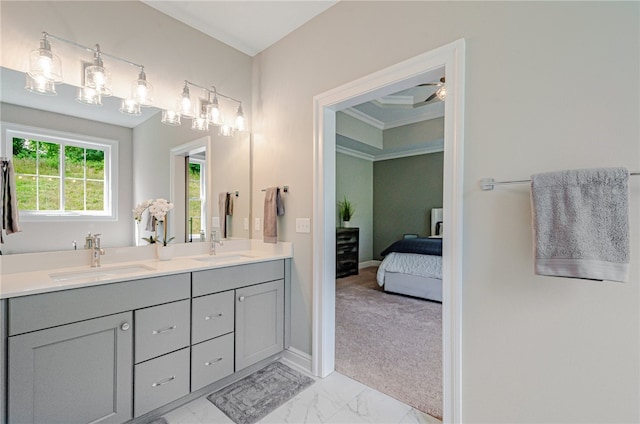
(248, 400)
(160, 420)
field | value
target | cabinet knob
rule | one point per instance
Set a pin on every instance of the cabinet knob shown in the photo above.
(241, 299)
(125, 326)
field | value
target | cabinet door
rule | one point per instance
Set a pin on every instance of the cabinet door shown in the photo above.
(259, 322)
(76, 373)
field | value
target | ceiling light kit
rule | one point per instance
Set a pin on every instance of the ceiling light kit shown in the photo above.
(45, 71)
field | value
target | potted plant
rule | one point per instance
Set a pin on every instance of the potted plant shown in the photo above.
(157, 210)
(346, 211)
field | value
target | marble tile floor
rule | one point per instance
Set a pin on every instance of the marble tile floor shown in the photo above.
(336, 399)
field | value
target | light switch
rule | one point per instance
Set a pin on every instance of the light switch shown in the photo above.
(303, 225)
(215, 222)
(257, 225)
(246, 224)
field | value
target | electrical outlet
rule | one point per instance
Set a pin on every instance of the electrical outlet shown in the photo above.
(257, 226)
(215, 222)
(246, 224)
(303, 225)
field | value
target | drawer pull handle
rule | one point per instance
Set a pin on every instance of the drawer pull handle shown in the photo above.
(163, 382)
(164, 330)
(213, 316)
(214, 361)
(241, 299)
(125, 326)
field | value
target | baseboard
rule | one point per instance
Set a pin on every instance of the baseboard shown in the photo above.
(297, 359)
(368, 264)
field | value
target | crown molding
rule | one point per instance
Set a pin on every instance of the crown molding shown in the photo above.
(437, 146)
(367, 119)
(430, 113)
(354, 153)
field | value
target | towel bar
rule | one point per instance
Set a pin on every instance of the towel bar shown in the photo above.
(490, 183)
(284, 188)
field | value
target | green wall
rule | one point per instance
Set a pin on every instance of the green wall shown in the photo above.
(404, 192)
(354, 179)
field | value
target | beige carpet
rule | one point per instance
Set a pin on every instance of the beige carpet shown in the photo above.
(389, 342)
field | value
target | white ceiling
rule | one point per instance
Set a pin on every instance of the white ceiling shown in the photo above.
(249, 26)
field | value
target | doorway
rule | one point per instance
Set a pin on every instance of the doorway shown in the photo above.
(412, 72)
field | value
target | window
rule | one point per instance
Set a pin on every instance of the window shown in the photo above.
(196, 196)
(62, 176)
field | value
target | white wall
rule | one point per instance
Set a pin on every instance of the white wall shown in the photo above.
(48, 236)
(535, 349)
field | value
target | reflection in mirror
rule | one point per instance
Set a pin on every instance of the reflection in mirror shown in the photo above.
(62, 113)
(196, 189)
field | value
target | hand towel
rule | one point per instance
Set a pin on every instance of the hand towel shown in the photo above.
(581, 223)
(279, 203)
(9, 205)
(223, 199)
(230, 204)
(271, 215)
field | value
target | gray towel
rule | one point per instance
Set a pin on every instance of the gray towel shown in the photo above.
(229, 204)
(581, 223)
(270, 215)
(9, 205)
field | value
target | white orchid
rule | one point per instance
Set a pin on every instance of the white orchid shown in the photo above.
(158, 210)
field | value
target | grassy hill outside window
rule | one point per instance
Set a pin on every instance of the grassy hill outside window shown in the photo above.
(61, 177)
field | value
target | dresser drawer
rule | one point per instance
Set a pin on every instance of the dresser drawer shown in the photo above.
(211, 361)
(160, 381)
(212, 316)
(161, 329)
(232, 277)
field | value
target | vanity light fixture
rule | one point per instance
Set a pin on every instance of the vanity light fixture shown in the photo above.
(170, 117)
(214, 110)
(142, 92)
(240, 124)
(130, 107)
(40, 86)
(89, 96)
(185, 108)
(442, 92)
(44, 65)
(96, 76)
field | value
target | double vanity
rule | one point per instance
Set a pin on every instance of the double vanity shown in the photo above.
(131, 340)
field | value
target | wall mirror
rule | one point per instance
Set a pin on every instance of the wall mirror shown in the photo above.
(223, 162)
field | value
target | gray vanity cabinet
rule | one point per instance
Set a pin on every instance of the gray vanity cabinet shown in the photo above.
(74, 373)
(259, 322)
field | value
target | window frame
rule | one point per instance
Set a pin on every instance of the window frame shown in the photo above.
(203, 192)
(110, 147)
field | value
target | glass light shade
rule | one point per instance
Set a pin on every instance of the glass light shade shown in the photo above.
(89, 96)
(185, 107)
(226, 130)
(442, 92)
(40, 85)
(170, 117)
(240, 121)
(142, 91)
(43, 64)
(130, 107)
(98, 78)
(214, 112)
(200, 124)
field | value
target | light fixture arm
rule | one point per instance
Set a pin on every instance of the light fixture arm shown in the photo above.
(95, 51)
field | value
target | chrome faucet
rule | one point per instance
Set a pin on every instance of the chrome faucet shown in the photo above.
(214, 240)
(96, 251)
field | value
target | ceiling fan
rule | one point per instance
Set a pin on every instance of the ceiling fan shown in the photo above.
(440, 93)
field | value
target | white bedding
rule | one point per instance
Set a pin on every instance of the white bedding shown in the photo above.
(410, 263)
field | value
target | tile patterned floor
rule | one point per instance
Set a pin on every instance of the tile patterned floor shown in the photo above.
(335, 399)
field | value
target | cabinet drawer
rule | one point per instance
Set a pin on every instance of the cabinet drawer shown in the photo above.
(212, 316)
(160, 381)
(38, 311)
(161, 329)
(233, 277)
(211, 361)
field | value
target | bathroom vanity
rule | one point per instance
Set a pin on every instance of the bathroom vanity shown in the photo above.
(121, 350)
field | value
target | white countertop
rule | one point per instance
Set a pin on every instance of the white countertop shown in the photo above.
(35, 273)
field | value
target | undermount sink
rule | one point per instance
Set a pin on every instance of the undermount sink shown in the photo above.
(216, 259)
(99, 273)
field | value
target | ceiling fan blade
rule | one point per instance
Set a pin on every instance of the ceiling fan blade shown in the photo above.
(431, 97)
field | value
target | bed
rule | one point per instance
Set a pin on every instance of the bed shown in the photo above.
(413, 267)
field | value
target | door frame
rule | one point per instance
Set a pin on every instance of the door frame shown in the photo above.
(419, 69)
